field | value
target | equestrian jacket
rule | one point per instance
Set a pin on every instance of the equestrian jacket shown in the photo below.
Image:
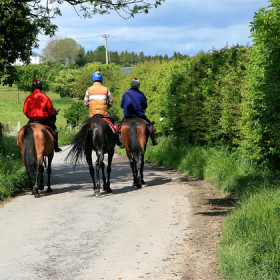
(98, 98)
(134, 103)
(38, 106)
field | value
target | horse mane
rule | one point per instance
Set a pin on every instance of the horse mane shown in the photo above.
(29, 150)
(135, 144)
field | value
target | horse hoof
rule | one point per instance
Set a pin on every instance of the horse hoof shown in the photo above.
(143, 182)
(31, 192)
(41, 188)
(36, 195)
(109, 190)
(97, 193)
(49, 190)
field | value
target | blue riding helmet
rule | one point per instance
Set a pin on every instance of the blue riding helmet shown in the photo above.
(97, 76)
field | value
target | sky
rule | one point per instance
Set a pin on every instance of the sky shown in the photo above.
(185, 26)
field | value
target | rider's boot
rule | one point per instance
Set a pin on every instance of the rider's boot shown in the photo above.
(154, 141)
(56, 148)
(119, 139)
(152, 134)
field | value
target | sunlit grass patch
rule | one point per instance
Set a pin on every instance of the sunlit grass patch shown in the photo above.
(250, 244)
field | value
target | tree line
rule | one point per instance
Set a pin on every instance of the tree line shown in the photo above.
(67, 51)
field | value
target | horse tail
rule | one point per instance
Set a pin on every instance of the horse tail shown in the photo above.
(79, 143)
(30, 156)
(135, 144)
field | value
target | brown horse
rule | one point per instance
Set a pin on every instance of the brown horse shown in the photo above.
(134, 133)
(36, 142)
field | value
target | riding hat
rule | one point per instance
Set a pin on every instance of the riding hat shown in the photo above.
(135, 83)
(36, 85)
(97, 77)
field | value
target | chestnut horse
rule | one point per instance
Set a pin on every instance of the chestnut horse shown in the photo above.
(36, 142)
(134, 133)
(95, 134)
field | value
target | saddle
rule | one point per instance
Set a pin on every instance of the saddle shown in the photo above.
(147, 125)
(114, 129)
(52, 132)
(49, 129)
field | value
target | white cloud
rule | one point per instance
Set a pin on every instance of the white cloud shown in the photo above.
(185, 26)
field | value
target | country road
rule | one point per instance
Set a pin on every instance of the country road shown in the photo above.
(167, 230)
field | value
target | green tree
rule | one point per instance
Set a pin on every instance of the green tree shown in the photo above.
(99, 55)
(18, 32)
(65, 51)
(22, 21)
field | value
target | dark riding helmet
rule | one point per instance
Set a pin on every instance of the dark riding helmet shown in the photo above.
(135, 83)
(36, 85)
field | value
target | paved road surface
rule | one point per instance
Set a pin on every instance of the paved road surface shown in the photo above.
(70, 234)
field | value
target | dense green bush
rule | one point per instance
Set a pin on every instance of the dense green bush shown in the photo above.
(45, 72)
(76, 113)
(261, 118)
(65, 81)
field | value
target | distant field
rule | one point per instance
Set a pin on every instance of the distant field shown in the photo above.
(11, 106)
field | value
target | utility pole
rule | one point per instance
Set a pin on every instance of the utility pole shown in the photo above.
(107, 56)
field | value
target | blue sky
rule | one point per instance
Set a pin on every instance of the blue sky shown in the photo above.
(185, 26)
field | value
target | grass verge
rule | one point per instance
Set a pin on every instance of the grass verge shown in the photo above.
(13, 177)
(250, 243)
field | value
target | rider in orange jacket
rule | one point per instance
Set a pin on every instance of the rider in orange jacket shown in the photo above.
(39, 108)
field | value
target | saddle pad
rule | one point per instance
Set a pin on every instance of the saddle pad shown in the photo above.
(110, 124)
(51, 131)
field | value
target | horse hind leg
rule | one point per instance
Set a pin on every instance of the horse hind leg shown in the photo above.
(110, 157)
(39, 179)
(99, 163)
(133, 166)
(91, 168)
(49, 171)
(141, 170)
(138, 177)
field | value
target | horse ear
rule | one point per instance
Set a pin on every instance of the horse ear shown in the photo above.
(56, 111)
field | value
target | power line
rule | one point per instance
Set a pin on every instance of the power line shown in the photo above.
(74, 38)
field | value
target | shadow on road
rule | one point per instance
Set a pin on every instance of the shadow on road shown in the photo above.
(66, 179)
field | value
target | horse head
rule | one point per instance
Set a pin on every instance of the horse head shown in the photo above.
(55, 112)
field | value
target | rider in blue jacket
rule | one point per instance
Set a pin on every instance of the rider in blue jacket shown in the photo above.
(134, 104)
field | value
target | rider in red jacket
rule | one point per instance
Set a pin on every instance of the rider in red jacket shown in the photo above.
(38, 108)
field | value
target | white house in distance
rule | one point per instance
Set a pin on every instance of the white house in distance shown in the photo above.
(35, 58)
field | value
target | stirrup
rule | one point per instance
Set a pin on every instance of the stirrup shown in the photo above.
(154, 142)
(57, 150)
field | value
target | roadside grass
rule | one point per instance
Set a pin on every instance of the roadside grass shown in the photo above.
(250, 243)
(13, 177)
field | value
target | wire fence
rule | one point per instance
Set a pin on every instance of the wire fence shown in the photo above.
(11, 94)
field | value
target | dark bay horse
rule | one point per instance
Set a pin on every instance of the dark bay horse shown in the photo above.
(95, 134)
(134, 133)
(36, 142)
